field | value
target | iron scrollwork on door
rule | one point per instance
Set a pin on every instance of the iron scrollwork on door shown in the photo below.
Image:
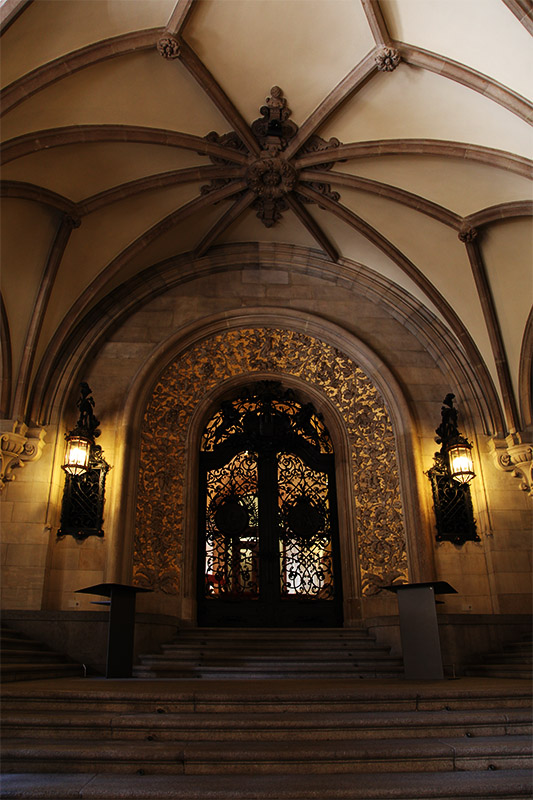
(264, 413)
(305, 530)
(266, 529)
(231, 553)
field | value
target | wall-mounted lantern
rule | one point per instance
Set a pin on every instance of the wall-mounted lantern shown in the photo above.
(455, 448)
(86, 470)
(450, 477)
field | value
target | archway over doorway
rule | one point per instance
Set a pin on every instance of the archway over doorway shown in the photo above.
(371, 521)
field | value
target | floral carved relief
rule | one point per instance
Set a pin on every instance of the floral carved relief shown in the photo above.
(160, 504)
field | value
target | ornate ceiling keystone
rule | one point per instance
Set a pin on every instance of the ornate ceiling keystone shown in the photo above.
(169, 47)
(467, 234)
(72, 221)
(387, 59)
(272, 176)
(271, 179)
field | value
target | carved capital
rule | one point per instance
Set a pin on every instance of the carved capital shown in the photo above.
(18, 445)
(467, 234)
(513, 455)
(169, 47)
(387, 59)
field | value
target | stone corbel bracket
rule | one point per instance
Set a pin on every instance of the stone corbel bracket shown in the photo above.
(513, 455)
(18, 445)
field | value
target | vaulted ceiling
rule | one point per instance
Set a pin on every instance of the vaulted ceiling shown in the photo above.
(394, 134)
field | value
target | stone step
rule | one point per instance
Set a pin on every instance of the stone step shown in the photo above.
(247, 632)
(267, 740)
(508, 658)
(330, 653)
(259, 653)
(472, 785)
(285, 643)
(273, 662)
(523, 644)
(274, 639)
(268, 696)
(197, 758)
(18, 642)
(23, 671)
(288, 644)
(240, 674)
(23, 659)
(25, 655)
(501, 671)
(515, 660)
(199, 726)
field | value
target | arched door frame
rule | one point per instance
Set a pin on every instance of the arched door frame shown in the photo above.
(415, 500)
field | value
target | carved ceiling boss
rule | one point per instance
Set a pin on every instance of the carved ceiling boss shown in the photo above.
(272, 177)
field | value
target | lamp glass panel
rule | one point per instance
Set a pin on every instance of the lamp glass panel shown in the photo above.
(461, 465)
(77, 455)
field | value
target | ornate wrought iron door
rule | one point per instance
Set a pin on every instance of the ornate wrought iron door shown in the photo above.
(268, 542)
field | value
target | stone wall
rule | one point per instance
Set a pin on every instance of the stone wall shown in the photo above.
(40, 571)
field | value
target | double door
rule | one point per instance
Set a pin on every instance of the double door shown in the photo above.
(268, 540)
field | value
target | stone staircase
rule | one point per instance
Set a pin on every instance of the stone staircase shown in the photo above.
(515, 661)
(23, 659)
(267, 739)
(244, 653)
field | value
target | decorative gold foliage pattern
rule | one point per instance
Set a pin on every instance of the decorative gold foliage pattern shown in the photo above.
(159, 524)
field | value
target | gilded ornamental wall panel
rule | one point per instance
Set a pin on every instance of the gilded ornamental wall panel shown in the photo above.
(160, 505)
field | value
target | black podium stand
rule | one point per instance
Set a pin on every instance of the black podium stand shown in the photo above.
(121, 625)
(419, 630)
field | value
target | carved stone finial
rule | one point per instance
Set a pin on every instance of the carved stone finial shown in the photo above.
(169, 47)
(274, 126)
(467, 234)
(18, 445)
(387, 59)
(277, 104)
